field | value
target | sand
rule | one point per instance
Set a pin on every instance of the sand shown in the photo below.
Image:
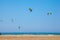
(29, 37)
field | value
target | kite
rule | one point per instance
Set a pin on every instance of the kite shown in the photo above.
(49, 13)
(30, 9)
(19, 27)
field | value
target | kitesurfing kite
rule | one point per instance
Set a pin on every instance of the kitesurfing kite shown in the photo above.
(19, 28)
(49, 13)
(30, 9)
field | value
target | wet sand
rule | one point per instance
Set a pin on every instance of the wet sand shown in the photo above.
(29, 37)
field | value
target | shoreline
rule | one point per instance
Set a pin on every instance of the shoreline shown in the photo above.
(30, 35)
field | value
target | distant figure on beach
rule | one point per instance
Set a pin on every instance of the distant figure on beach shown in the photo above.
(30, 9)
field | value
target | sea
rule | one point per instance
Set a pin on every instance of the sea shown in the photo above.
(28, 33)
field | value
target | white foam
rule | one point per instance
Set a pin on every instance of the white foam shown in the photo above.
(29, 35)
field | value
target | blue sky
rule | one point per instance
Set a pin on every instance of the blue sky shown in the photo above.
(35, 21)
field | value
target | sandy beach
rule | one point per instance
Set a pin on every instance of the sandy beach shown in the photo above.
(29, 37)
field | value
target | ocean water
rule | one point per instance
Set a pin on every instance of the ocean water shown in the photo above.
(28, 33)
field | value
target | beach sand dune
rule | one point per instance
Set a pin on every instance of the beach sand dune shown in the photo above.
(29, 37)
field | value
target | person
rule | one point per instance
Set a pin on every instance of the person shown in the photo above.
(0, 33)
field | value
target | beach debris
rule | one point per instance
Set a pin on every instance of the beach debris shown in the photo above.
(30, 9)
(49, 13)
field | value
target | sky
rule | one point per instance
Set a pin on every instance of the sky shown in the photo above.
(15, 13)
